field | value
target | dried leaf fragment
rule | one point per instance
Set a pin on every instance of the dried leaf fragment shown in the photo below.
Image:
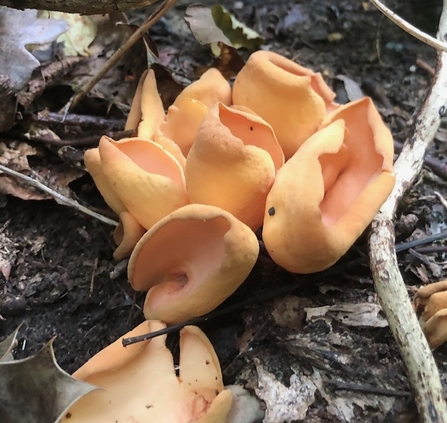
(19, 29)
(216, 24)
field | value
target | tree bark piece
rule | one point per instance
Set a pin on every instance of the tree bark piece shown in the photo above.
(85, 7)
(421, 368)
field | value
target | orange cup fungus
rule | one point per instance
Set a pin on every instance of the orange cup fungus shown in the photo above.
(430, 304)
(211, 171)
(138, 176)
(138, 383)
(191, 261)
(184, 116)
(326, 195)
(290, 97)
(233, 162)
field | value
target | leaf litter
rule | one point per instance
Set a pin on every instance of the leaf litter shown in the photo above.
(323, 340)
(20, 29)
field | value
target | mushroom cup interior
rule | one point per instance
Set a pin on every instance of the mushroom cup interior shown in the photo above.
(152, 158)
(181, 253)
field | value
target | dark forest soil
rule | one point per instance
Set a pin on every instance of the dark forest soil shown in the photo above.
(61, 260)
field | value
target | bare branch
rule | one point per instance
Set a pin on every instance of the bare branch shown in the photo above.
(421, 367)
(57, 196)
(407, 27)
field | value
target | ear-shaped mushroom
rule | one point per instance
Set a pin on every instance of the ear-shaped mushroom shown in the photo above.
(92, 161)
(232, 163)
(209, 89)
(430, 303)
(126, 235)
(140, 385)
(191, 261)
(326, 195)
(134, 117)
(181, 123)
(145, 177)
(290, 97)
(147, 110)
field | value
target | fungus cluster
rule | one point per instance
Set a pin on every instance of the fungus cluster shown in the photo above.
(273, 151)
(191, 188)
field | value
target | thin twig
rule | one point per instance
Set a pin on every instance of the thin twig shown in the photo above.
(92, 279)
(164, 7)
(421, 368)
(407, 27)
(365, 389)
(78, 120)
(61, 199)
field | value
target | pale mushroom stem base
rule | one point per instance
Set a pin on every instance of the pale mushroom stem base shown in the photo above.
(422, 372)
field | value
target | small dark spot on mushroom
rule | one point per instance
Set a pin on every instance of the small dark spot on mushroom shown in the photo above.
(207, 362)
(68, 416)
(149, 406)
(251, 128)
(271, 211)
(215, 378)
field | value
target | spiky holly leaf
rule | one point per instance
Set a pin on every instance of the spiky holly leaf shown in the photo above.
(36, 389)
(7, 345)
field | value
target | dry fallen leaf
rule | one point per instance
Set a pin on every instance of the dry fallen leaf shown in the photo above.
(361, 314)
(19, 29)
(215, 25)
(240, 35)
(351, 87)
(35, 389)
(81, 34)
(286, 403)
(55, 176)
(8, 99)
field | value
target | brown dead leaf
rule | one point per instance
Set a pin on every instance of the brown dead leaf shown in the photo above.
(229, 61)
(421, 272)
(118, 86)
(278, 398)
(359, 314)
(168, 87)
(54, 176)
(19, 29)
(215, 24)
(8, 100)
